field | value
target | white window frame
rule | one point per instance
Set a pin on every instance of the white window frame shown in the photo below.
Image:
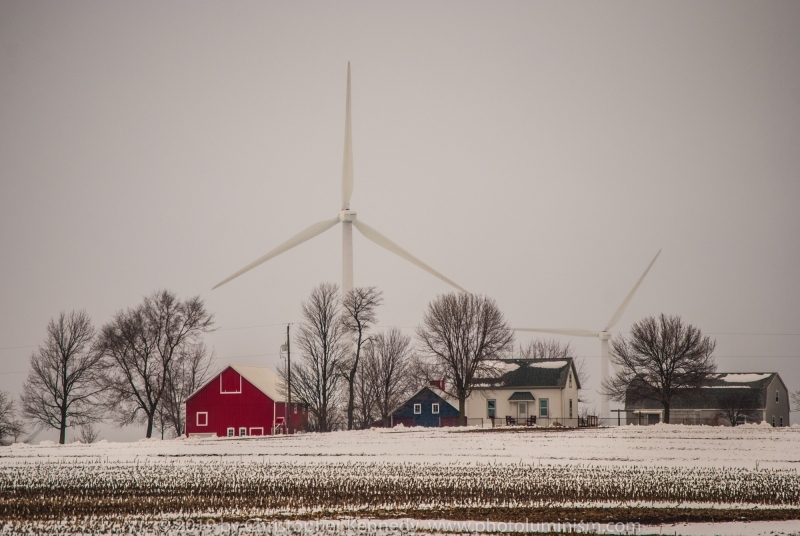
(197, 418)
(435, 409)
(231, 432)
(252, 428)
(417, 409)
(230, 392)
(546, 413)
(494, 408)
(242, 429)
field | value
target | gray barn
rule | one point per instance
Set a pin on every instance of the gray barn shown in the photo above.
(732, 397)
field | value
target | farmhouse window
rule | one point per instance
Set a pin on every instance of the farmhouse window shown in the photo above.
(434, 408)
(242, 431)
(491, 408)
(776, 396)
(202, 418)
(417, 409)
(781, 418)
(773, 421)
(570, 383)
(543, 407)
(570, 408)
(230, 432)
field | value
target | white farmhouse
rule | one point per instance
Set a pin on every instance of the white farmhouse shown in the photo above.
(525, 391)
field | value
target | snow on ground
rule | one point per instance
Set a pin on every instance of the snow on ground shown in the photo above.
(748, 446)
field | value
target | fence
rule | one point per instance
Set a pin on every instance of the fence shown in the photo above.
(590, 421)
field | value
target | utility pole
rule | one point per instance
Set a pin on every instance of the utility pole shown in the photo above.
(289, 381)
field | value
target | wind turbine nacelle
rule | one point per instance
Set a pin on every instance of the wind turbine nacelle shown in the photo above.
(347, 215)
(604, 336)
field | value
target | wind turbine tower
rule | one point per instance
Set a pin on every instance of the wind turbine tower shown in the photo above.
(604, 335)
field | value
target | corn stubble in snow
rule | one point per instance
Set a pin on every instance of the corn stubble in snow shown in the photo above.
(49, 490)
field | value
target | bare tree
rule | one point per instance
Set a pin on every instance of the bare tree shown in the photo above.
(546, 349)
(463, 333)
(662, 358)
(141, 348)
(316, 375)
(366, 410)
(389, 358)
(10, 426)
(161, 420)
(61, 388)
(89, 434)
(358, 315)
(796, 401)
(737, 407)
(422, 370)
(189, 371)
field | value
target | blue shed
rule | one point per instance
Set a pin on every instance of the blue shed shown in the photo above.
(430, 406)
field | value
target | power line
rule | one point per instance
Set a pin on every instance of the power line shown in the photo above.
(248, 327)
(246, 356)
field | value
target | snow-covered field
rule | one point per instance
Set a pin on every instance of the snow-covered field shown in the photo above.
(748, 446)
(650, 474)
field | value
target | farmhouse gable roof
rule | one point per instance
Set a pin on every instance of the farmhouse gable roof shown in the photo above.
(531, 373)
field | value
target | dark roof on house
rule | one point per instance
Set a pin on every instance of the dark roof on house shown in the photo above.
(521, 395)
(530, 373)
(746, 390)
(445, 397)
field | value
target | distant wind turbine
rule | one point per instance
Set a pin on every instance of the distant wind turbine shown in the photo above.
(604, 335)
(348, 220)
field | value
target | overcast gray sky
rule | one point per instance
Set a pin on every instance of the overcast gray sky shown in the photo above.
(537, 152)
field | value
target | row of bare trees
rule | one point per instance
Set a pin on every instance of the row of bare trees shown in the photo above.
(347, 375)
(139, 368)
(351, 377)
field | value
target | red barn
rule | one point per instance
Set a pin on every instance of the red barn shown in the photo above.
(241, 401)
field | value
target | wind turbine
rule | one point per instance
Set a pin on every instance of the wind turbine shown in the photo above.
(603, 335)
(347, 218)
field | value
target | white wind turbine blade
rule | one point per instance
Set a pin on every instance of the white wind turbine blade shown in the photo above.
(296, 240)
(384, 242)
(565, 331)
(624, 305)
(347, 165)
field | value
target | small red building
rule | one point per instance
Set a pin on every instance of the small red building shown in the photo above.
(241, 401)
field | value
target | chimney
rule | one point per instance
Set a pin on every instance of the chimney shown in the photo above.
(437, 383)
